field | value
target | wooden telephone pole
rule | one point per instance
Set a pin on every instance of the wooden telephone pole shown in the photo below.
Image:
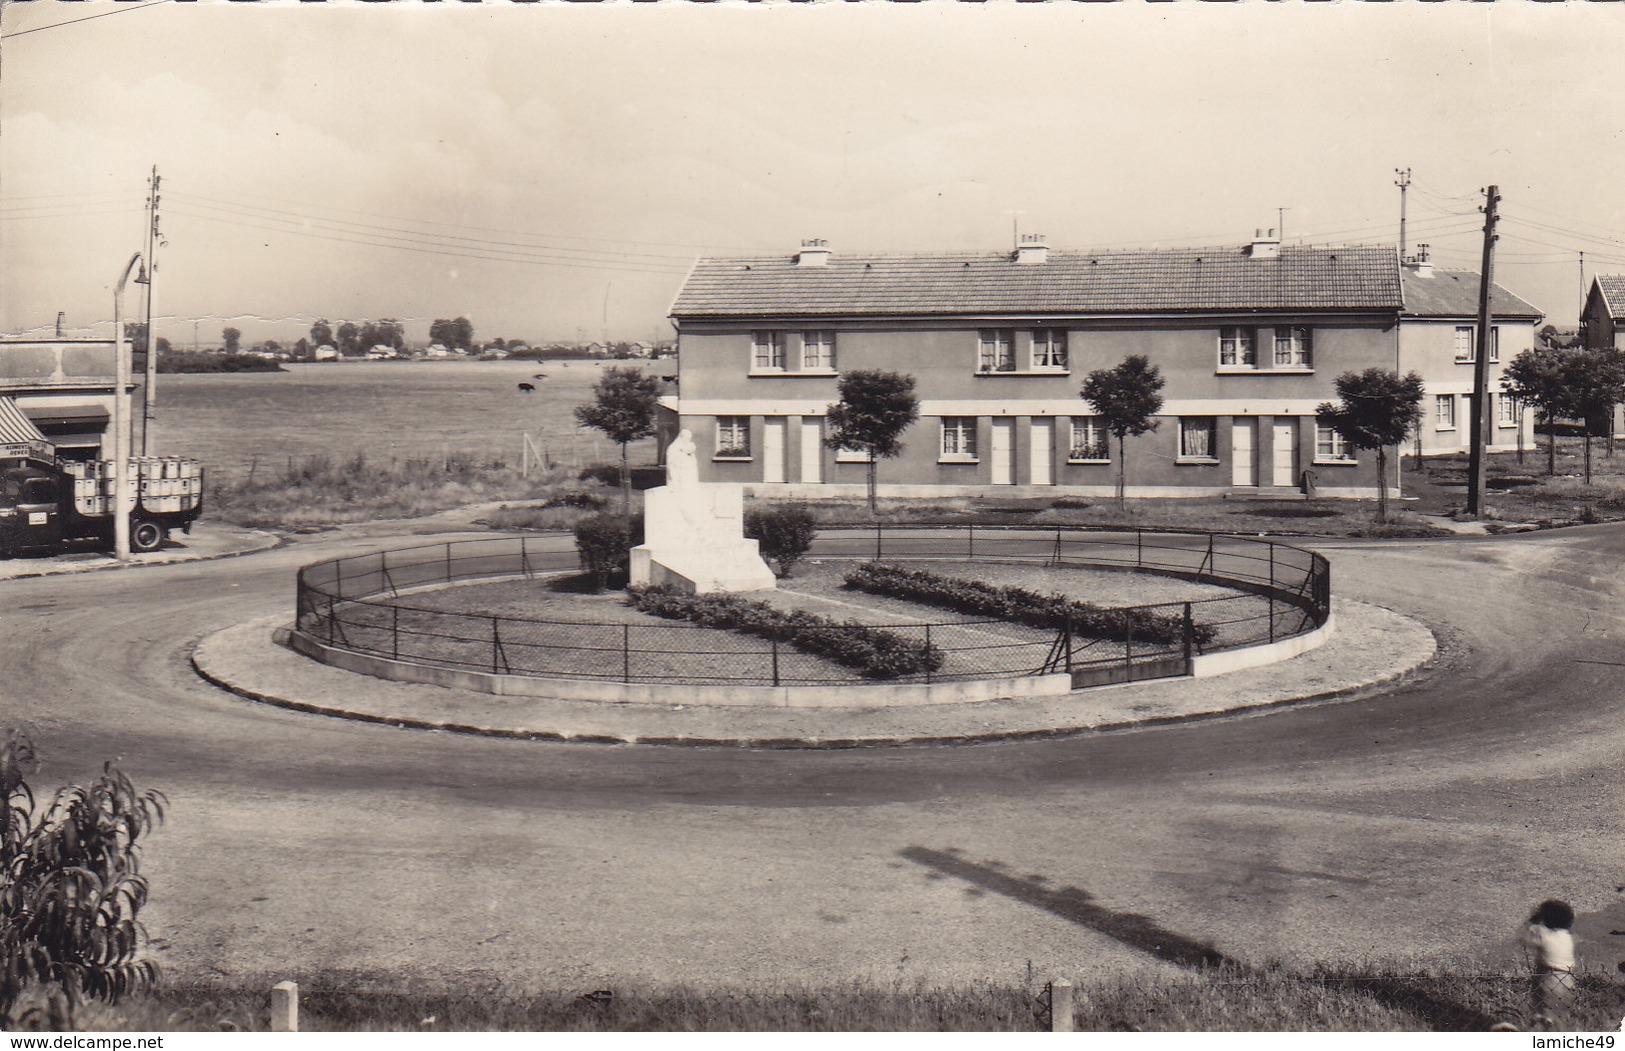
(1481, 361)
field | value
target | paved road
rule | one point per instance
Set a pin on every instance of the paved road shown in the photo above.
(1419, 824)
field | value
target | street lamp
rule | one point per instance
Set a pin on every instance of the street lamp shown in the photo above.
(122, 505)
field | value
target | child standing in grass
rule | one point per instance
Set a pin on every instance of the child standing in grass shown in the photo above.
(1550, 936)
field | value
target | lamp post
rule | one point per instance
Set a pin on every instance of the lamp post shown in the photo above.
(121, 420)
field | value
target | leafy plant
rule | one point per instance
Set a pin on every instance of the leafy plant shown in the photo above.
(876, 407)
(1376, 408)
(70, 884)
(1126, 400)
(875, 652)
(605, 544)
(623, 407)
(784, 533)
(1054, 612)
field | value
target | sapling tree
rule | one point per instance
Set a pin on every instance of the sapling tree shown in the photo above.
(71, 889)
(1595, 381)
(876, 407)
(1376, 408)
(1127, 401)
(623, 407)
(1539, 378)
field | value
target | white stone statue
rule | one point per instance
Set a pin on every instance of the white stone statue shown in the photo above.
(694, 531)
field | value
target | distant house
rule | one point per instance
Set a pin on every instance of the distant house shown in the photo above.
(437, 350)
(325, 352)
(1249, 340)
(381, 352)
(1603, 316)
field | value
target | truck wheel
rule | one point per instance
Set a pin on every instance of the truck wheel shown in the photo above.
(146, 536)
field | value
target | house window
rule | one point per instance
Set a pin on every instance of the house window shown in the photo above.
(1495, 343)
(996, 350)
(733, 437)
(1444, 409)
(767, 351)
(1507, 410)
(1465, 351)
(1330, 445)
(1292, 349)
(1236, 348)
(1198, 437)
(818, 351)
(1088, 440)
(1049, 348)
(959, 437)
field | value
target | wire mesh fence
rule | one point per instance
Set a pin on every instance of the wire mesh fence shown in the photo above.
(363, 603)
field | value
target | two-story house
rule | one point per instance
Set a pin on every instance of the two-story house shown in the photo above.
(1248, 341)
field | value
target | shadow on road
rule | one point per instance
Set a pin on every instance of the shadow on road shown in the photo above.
(1406, 994)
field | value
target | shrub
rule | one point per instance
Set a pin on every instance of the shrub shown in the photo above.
(874, 652)
(602, 473)
(70, 884)
(605, 544)
(1054, 612)
(785, 533)
(582, 499)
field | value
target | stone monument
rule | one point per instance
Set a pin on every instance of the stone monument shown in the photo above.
(694, 533)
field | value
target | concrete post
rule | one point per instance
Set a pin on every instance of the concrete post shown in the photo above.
(285, 1007)
(1060, 1006)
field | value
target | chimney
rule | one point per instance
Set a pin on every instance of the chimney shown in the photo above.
(1265, 246)
(1419, 264)
(814, 252)
(1032, 250)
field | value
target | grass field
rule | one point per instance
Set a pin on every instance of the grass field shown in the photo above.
(420, 411)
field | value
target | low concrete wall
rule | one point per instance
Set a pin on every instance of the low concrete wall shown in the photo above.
(858, 695)
(1254, 656)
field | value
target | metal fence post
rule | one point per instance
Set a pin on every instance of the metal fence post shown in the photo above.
(1188, 631)
(970, 550)
(448, 563)
(1139, 549)
(1272, 567)
(928, 652)
(775, 662)
(395, 632)
(496, 642)
(626, 653)
(877, 540)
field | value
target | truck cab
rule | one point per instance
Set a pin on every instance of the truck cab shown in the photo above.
(31, 512)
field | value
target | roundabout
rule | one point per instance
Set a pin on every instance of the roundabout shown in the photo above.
(377, 640)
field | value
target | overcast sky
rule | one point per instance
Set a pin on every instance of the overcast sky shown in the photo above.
(551, 170)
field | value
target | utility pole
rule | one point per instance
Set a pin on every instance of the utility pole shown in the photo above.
(1481, 360)
(1582, 295)
(122, 506)
(149, 390)
(1404, 183)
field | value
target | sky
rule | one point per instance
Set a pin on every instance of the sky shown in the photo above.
(551, 170)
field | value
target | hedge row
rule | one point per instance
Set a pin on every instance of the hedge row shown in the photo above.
(1019, 605)
(874, 652)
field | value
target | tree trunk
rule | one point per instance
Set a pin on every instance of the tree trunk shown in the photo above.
(874, 503)
(1588, 453)
(1521, 417)
(626, 488)
(1551, 447)
(1382, 483)
(1122, 488)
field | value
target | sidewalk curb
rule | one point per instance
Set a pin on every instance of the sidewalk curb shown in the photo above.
(276, 541)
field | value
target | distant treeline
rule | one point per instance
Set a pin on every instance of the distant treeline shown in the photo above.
(214, 361)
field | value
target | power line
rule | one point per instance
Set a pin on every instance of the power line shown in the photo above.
(71, 21)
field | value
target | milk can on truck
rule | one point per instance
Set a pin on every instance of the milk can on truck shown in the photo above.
(49, 504)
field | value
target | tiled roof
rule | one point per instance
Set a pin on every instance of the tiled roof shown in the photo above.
(1613, 293)
(1454, 293)
(1069, 282)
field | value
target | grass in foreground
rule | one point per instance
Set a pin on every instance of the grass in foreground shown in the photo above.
(1225, 998)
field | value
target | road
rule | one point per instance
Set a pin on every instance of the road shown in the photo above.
(1420, 824)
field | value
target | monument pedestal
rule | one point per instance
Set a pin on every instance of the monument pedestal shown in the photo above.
(695, 541)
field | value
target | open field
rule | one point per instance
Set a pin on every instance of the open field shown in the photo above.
(386, 410)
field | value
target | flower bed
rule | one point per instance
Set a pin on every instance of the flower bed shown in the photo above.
(1055, 612)
(875, 652)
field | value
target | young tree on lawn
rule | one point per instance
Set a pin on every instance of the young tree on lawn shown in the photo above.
(70, 884)
(1539, 379)
(1126, 400)
(623, 407)
(1377, 408)
(876, 407)
(1596, 383)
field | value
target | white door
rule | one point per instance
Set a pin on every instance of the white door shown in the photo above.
(1043, 452)
(812, 450)
(773, 449)
(1004, 452)
(1243, 451)
(1286, 448)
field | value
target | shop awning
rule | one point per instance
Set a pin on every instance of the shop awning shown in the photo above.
(18, 435)
(82, 416)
